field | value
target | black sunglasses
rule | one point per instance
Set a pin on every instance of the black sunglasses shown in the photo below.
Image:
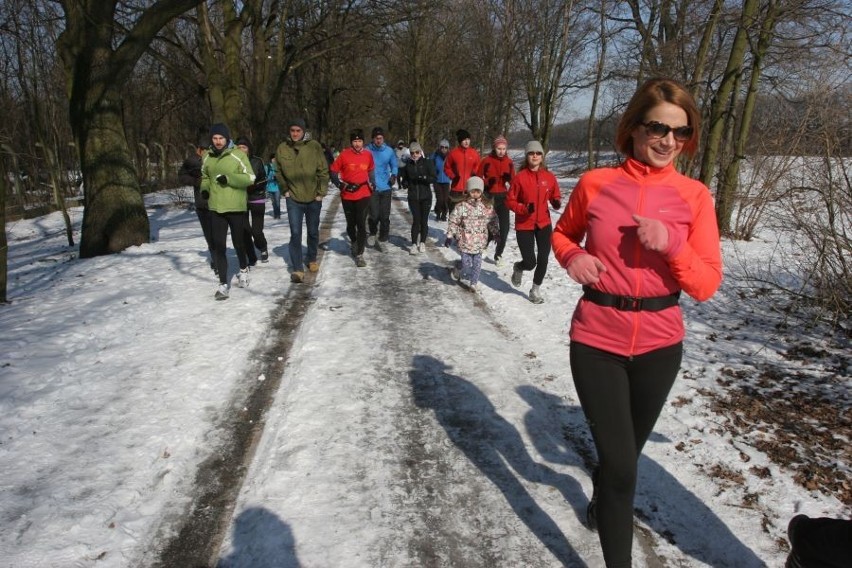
(656, 129)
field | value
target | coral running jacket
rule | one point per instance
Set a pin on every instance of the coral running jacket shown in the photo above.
(600, 211)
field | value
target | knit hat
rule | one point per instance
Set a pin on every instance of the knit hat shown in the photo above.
(533, 146)
(221, 130)
(356, 134)
(500, 140)
(300, 122)
(415, 147)
(243, 141)
(444, 143)
(462, 134)
(474, 183)
(377, 131)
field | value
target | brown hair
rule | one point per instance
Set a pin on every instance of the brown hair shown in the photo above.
(650, 94)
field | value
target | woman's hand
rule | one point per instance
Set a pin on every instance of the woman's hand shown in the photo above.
(652, 233)
(586, 269)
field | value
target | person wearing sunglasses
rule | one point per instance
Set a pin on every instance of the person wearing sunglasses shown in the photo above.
(418, 175)
(635, 236)
(530, 193)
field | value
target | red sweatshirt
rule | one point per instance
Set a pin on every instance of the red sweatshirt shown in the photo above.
(497, 173)
(461, 163)
(354, 167)
(600, 211)
(536, 187)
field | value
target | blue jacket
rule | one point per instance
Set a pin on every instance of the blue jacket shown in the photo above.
(439, 159)
(386, 165)
(271, 180)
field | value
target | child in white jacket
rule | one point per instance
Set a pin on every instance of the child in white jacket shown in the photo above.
(471, 223)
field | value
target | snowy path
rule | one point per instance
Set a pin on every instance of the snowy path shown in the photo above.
(415, 424)
(398, 436)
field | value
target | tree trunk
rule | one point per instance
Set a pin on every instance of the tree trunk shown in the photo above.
(4, 245)
(732, 172)
(719, 115)
(114, 216)
(591, 138)
(98, 60)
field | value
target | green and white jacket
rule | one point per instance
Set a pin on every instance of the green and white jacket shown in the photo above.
(234, 165)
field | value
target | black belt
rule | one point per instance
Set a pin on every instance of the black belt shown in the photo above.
(630, 303)
(352, 187)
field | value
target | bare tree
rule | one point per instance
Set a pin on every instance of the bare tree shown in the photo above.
(544, 42)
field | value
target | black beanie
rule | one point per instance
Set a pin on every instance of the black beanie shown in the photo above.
(221, 130)
(377, 131)
(243, 141)
(300, 122)
(356, 134)
(462, 134)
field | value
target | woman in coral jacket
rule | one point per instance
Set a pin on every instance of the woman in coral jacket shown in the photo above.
(529, 195)
(649, 233)
(498, 171)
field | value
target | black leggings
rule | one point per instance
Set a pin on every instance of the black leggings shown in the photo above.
(503, 219)
(621, 398)
(528, 242)
(254, 237)
(356, 222)
(221, 223)
(419, 218)
(205, 218)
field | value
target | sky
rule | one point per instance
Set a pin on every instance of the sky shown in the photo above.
(414, 423)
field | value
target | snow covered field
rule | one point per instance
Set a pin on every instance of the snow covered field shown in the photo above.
(115, 373)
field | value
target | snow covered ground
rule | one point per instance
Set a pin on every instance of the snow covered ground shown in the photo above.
(416, 424)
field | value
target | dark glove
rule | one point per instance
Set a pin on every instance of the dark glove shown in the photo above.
(222, 179)
(555, 203)
(392, 180)
(448, 242)
(507, 178)
(205, 194)
(530, 207)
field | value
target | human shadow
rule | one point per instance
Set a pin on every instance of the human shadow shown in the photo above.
(261, 540)
(490, 442)
(560, 434)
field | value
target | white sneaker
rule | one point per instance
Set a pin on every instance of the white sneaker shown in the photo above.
(498, 260)
(473, 288)
(222, 292)
(371, 240)
(421, 247)
(535, 295)
(465, 283)
(413, 249)
(243, 278)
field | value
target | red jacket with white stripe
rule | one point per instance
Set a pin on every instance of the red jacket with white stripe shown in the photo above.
(537, 187)
(601, 211)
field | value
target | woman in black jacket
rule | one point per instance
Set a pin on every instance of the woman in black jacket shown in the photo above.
(256, 197)
(419, 175)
